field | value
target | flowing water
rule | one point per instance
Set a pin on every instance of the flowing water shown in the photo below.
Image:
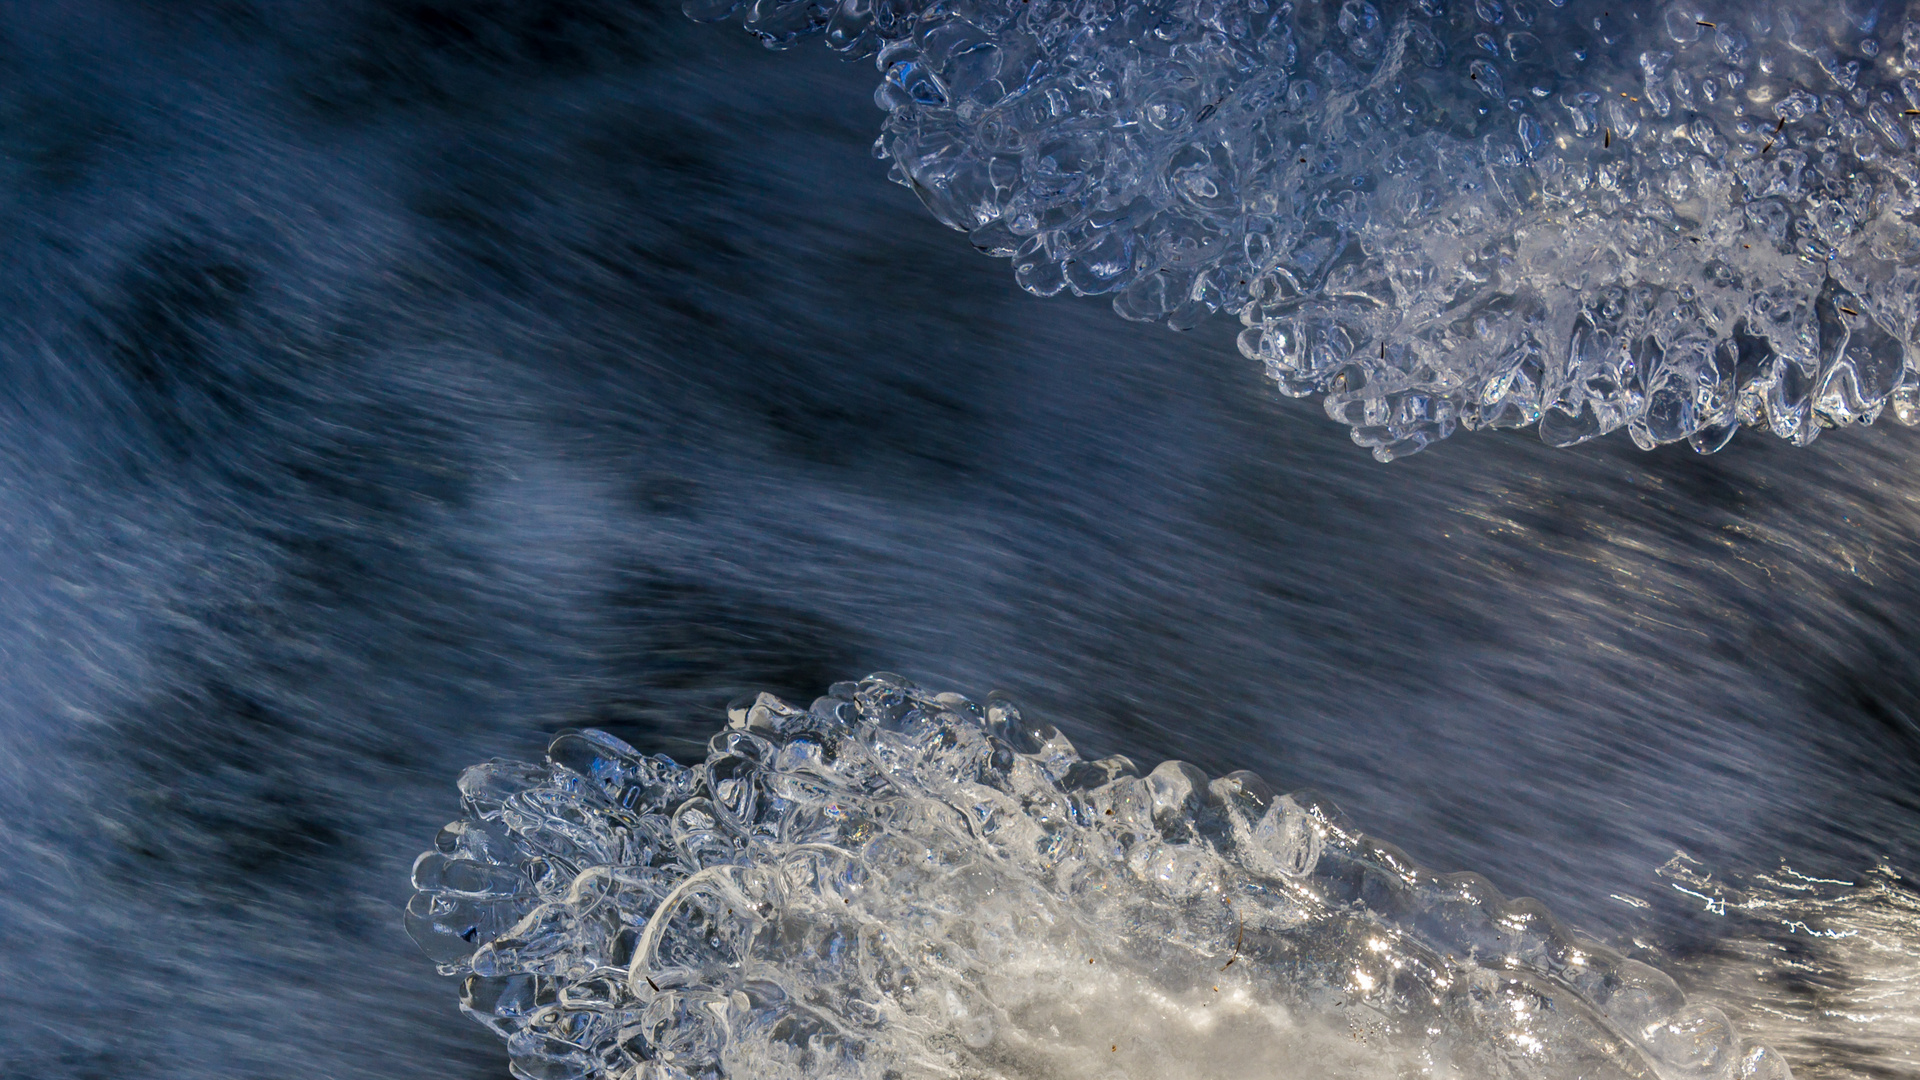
(391, 386)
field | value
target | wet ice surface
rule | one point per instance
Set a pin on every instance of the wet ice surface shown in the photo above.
(1678, 219)
(895, 883)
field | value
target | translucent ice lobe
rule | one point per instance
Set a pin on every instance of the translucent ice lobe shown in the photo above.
(1675, 218)
(895, 883)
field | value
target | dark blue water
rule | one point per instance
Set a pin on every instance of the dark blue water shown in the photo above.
(388, 385)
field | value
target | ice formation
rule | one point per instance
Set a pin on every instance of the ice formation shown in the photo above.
(899, 884)
(1571, 214)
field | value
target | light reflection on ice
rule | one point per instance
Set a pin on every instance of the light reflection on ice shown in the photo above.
(1825, 970)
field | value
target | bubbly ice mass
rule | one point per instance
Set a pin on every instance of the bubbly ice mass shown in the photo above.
(898, 884)
(1678, 219)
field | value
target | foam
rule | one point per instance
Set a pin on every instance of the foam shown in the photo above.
(895, 883)
(1678, 219)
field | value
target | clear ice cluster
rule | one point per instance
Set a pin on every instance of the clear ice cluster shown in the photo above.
(1571, 214)
(900, 885)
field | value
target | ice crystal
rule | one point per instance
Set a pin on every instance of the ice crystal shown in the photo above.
(1678, 219)
(899, 884)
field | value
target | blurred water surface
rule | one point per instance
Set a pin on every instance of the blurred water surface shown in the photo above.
(389, 385)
